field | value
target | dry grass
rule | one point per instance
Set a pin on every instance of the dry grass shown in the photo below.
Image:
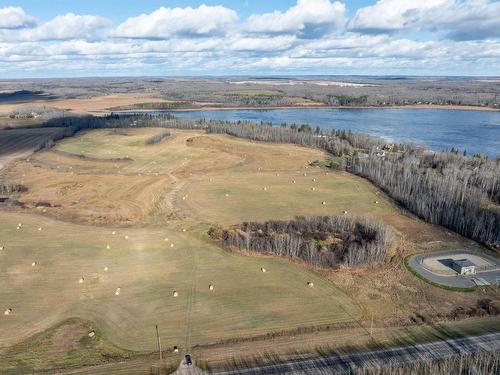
(86, 182)
(147, 271)
(91, 105)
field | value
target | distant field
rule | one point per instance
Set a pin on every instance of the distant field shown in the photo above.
(188, 175)
(265, 195)
(17, 143)
(91, 104)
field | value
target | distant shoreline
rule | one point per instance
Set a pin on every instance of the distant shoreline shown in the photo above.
(212, 108)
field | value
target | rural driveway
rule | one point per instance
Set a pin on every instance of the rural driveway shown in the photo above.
(185, 369)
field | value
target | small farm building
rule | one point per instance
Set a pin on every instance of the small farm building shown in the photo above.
(464, 267)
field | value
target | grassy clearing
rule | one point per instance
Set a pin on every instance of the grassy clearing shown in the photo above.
(65, 345)
(104, 145)
(281, 199)
(245, 301)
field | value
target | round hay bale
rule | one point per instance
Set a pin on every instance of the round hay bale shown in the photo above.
(293, 181)
(126, 237)
(344, 212)
(210, 179)
(277, 174)
(171, 245)
(108, 247)
(8, 311)
(305, 174)
(313, 188)
(105, 268)
(82, 279)
(33, 264)
(323, 203)
(226, 195)
(183, 229)
(183, 198)
(175, 294)
(314, 180)
(263, 270)
(376, 202)
(265, 188)
(39, 228)
(211, 287)
(113, 233)
(166, 239)
(310, 284)
(117, 291)
(2, 248)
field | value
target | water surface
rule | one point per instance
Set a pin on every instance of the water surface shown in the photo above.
(438, 129)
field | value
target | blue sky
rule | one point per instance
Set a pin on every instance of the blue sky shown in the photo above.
(40, 38)
(120, 9)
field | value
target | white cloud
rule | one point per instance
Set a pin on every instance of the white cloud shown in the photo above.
(15, 18)
(264, 44)
(390, 15)
(69, 26)
(166, 23)
(66, 27)
(308, 18)
(308, 37)
(458, 20)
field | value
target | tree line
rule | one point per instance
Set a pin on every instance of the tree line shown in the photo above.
(157, 138)
(9, 187)
(322, 241)
(443, 188)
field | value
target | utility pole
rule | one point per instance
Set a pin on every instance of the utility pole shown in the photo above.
(371, 328)
(159, 343)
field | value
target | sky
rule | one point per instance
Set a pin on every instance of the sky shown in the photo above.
(68, 38)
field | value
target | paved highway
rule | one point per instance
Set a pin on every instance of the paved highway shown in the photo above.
(397, 356)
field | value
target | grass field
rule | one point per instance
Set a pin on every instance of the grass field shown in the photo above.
(102, 178)
(148, 270)
(152, 197)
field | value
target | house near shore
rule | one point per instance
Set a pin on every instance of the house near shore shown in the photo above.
(464, 267)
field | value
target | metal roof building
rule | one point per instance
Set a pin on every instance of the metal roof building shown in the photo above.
(464, 267)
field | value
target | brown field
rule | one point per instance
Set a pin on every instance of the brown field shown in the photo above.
(85, 105)
(19, 143)
(99, 182)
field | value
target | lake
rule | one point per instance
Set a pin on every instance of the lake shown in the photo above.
(438, 129)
